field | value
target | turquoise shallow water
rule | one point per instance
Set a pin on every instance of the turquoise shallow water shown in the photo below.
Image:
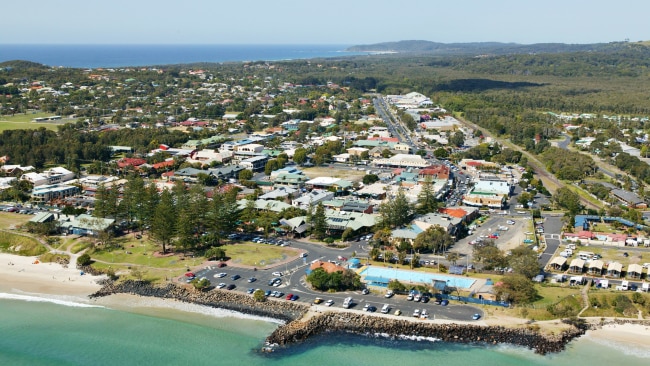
(34, 333)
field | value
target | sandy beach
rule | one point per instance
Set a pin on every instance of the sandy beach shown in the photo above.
(629, 335)
(22, 276)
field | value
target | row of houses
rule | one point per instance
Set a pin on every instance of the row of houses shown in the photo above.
(597, 268)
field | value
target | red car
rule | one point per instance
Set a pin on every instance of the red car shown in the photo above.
(494, 236)
(289, 296)
(190, 275)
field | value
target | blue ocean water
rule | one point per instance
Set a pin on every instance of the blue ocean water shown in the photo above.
(93, 56)
(41, 333)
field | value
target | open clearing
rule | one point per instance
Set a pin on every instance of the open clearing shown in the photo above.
(258, 255)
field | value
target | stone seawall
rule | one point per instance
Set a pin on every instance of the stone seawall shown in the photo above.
(223, 299)
(333, 322)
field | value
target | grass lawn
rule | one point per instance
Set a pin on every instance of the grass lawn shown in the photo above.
(10, 220)
(251, 254)
(326, 171)
(21, 245)
(24, 121)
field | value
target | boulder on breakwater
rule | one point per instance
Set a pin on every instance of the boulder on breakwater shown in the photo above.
(223, 299)
(349, 322)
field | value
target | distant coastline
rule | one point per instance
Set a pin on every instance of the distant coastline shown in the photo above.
(106, 56)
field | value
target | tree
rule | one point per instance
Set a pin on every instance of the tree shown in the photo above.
(523, 261)
(215, 253)
(441, 153)
(427, 198)
(84, 260)
(300, 156)
(517, 289)
(259, 296)
(201, 284)
(452, 257)
(245, 174)
(395, 285)
(489, 255)
(433, 239)
(457, 139)
(318, 223)
(164, 220)
(370, 179)
(396, 212)
(566, 198)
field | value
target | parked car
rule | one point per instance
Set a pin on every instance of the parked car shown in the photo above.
(289, 296)
(398, 312)
(444, 302)
(250, 290)
(235, 277)
(221, 275)
(318, 300)
(476, 316)
(365, 291)
(294, 297)
(389, 294)
(329, 302)
(416, 313)
(252, 279)
(409, 297)
(221, 285)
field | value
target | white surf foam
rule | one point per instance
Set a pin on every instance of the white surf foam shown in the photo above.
(152, 302)
(31, 298)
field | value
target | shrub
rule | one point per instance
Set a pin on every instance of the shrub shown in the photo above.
(84, 260)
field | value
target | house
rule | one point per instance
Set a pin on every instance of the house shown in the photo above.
(357, 206)
(256, 163)
(615, 270)
(558, 263)
(280, 193)
(577, 266)
(312, 198)
(341, 158)
(227, 172)
(595, 268)
(330, 183)
(488, 193)
(48, 177)
(630, 199)
(375, 191)
(265, 205)
(16, 170)
(437, 171)
(84, 224)
(207, 156)
(634, 270)
(290, 180)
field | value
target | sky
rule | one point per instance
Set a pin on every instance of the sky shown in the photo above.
(338, 22)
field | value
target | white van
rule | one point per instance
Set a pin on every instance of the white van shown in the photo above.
(385, 309)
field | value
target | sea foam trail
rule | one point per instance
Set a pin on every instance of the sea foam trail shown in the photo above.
(6, 296)
(199, 309)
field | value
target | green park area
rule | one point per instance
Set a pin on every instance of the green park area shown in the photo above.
(258, 255)
(25, 121)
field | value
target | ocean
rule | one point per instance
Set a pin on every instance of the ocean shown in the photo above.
(94, 56)
(70, 333)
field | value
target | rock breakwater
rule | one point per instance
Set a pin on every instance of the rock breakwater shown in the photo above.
(348, 322)
(222, 299)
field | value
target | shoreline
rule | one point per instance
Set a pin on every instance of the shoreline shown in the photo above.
(23, 278)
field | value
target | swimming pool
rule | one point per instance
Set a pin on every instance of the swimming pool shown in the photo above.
(377, 273)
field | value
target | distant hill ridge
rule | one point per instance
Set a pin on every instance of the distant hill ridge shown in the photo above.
(494, 48)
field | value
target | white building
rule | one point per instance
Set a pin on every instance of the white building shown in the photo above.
(51, 176)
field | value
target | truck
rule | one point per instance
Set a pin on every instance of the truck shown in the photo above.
(347, 302)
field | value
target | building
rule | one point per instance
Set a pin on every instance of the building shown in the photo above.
(51, 176)
(493, 194)
(403, 160)
(629, 199)
(84, 224)
(438, 171)
(312, 198)
(46, 193)
(256, 163)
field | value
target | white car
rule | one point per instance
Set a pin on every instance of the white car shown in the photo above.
(221, 285)
(329, 302)
(220, 275)
(277, 274)
(389, 294)
(510, 222)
